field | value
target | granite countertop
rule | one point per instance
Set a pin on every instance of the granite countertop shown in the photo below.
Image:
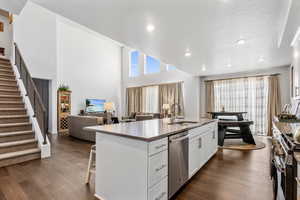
(287, 128)
(148, 130)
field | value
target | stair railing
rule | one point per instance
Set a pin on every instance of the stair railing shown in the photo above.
(31, 91)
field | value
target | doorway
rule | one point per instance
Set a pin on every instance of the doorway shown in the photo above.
(42, 86)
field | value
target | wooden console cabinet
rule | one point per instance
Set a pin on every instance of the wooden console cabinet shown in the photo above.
(63, 111)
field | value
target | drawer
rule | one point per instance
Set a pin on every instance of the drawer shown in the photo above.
(157, 168)
(198, 131)
(159, 191)
(158, 146)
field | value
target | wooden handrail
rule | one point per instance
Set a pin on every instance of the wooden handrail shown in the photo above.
(32, 93)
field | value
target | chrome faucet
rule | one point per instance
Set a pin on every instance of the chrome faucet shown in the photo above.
(173, 111)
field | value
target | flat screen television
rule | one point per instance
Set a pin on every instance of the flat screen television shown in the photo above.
(94, 105)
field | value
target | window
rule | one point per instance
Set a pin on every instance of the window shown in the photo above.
(150, 99)
(170, 67)
(152, 65)
(244, 95)
(134, 64)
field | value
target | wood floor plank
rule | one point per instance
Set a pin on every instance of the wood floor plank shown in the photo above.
(12, 190)
(3, 172)
(33, 190)
(232, 175)
(2, 197)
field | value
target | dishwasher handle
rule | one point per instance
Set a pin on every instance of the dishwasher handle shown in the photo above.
(180, 138)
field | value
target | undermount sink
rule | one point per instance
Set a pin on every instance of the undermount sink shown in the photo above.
(183, 122)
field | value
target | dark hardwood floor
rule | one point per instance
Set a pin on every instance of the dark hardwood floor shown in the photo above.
(230, 175)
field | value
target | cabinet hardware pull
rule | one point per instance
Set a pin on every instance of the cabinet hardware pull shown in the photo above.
(214, 134)
(160, 196)
(160, 168)
(200, 143)
(160, 146)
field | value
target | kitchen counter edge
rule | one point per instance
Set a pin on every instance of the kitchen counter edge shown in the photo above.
(151, 139)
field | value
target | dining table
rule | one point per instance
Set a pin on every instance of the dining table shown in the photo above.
(227, 124)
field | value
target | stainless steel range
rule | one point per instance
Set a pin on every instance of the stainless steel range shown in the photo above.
(284, 166)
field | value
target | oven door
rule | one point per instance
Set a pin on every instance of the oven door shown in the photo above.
(277, 169)
(278, 179)
(297, 180)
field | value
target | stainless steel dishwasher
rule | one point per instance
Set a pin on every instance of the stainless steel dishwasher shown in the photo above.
(178, 161)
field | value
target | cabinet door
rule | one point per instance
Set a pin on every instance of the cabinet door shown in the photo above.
(207, 146)
(214, 141)
(195, 155)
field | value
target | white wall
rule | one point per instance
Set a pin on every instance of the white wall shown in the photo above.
(296, 62)
(6, 36)
(191, 85)
(89, 64)
(62, 51)
(35, 34)
(284, 82)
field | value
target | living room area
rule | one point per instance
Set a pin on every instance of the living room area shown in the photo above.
(94, 80)
(98, 69)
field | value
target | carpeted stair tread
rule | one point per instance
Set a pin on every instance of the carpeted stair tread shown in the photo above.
(19, 153)
(15, 133)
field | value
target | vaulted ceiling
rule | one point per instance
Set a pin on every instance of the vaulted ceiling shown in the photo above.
(209, 29)
(12, 6)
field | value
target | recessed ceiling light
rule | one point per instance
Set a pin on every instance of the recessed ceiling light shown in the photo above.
(187, 54)
(241, 42)
(229, 65)
(203, 68)
(296, 54)
(261, 59)
(150, 27)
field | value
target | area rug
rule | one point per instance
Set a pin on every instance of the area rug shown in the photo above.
(238, 144)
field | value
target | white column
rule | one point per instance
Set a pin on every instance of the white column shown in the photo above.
(163, 67)
(142, 62)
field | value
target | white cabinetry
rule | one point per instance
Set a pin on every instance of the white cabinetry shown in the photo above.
(131, 169)
(202, 146)
(158, 170)
(213, 141)
(159, 191)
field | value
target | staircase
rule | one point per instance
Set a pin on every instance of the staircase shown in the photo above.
(17, 141)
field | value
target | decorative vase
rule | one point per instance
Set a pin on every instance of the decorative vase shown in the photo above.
(222, 108)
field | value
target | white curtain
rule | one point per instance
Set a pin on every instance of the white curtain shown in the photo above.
(150, 99)
(245, 95)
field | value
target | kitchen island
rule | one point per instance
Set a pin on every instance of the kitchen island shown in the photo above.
(146, 160)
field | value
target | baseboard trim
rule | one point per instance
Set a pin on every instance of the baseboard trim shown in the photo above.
(98, 197)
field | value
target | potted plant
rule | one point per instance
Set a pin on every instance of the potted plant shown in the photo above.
(63, 88)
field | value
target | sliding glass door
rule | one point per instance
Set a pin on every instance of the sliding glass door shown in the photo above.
(150, 99)
(244, 94)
